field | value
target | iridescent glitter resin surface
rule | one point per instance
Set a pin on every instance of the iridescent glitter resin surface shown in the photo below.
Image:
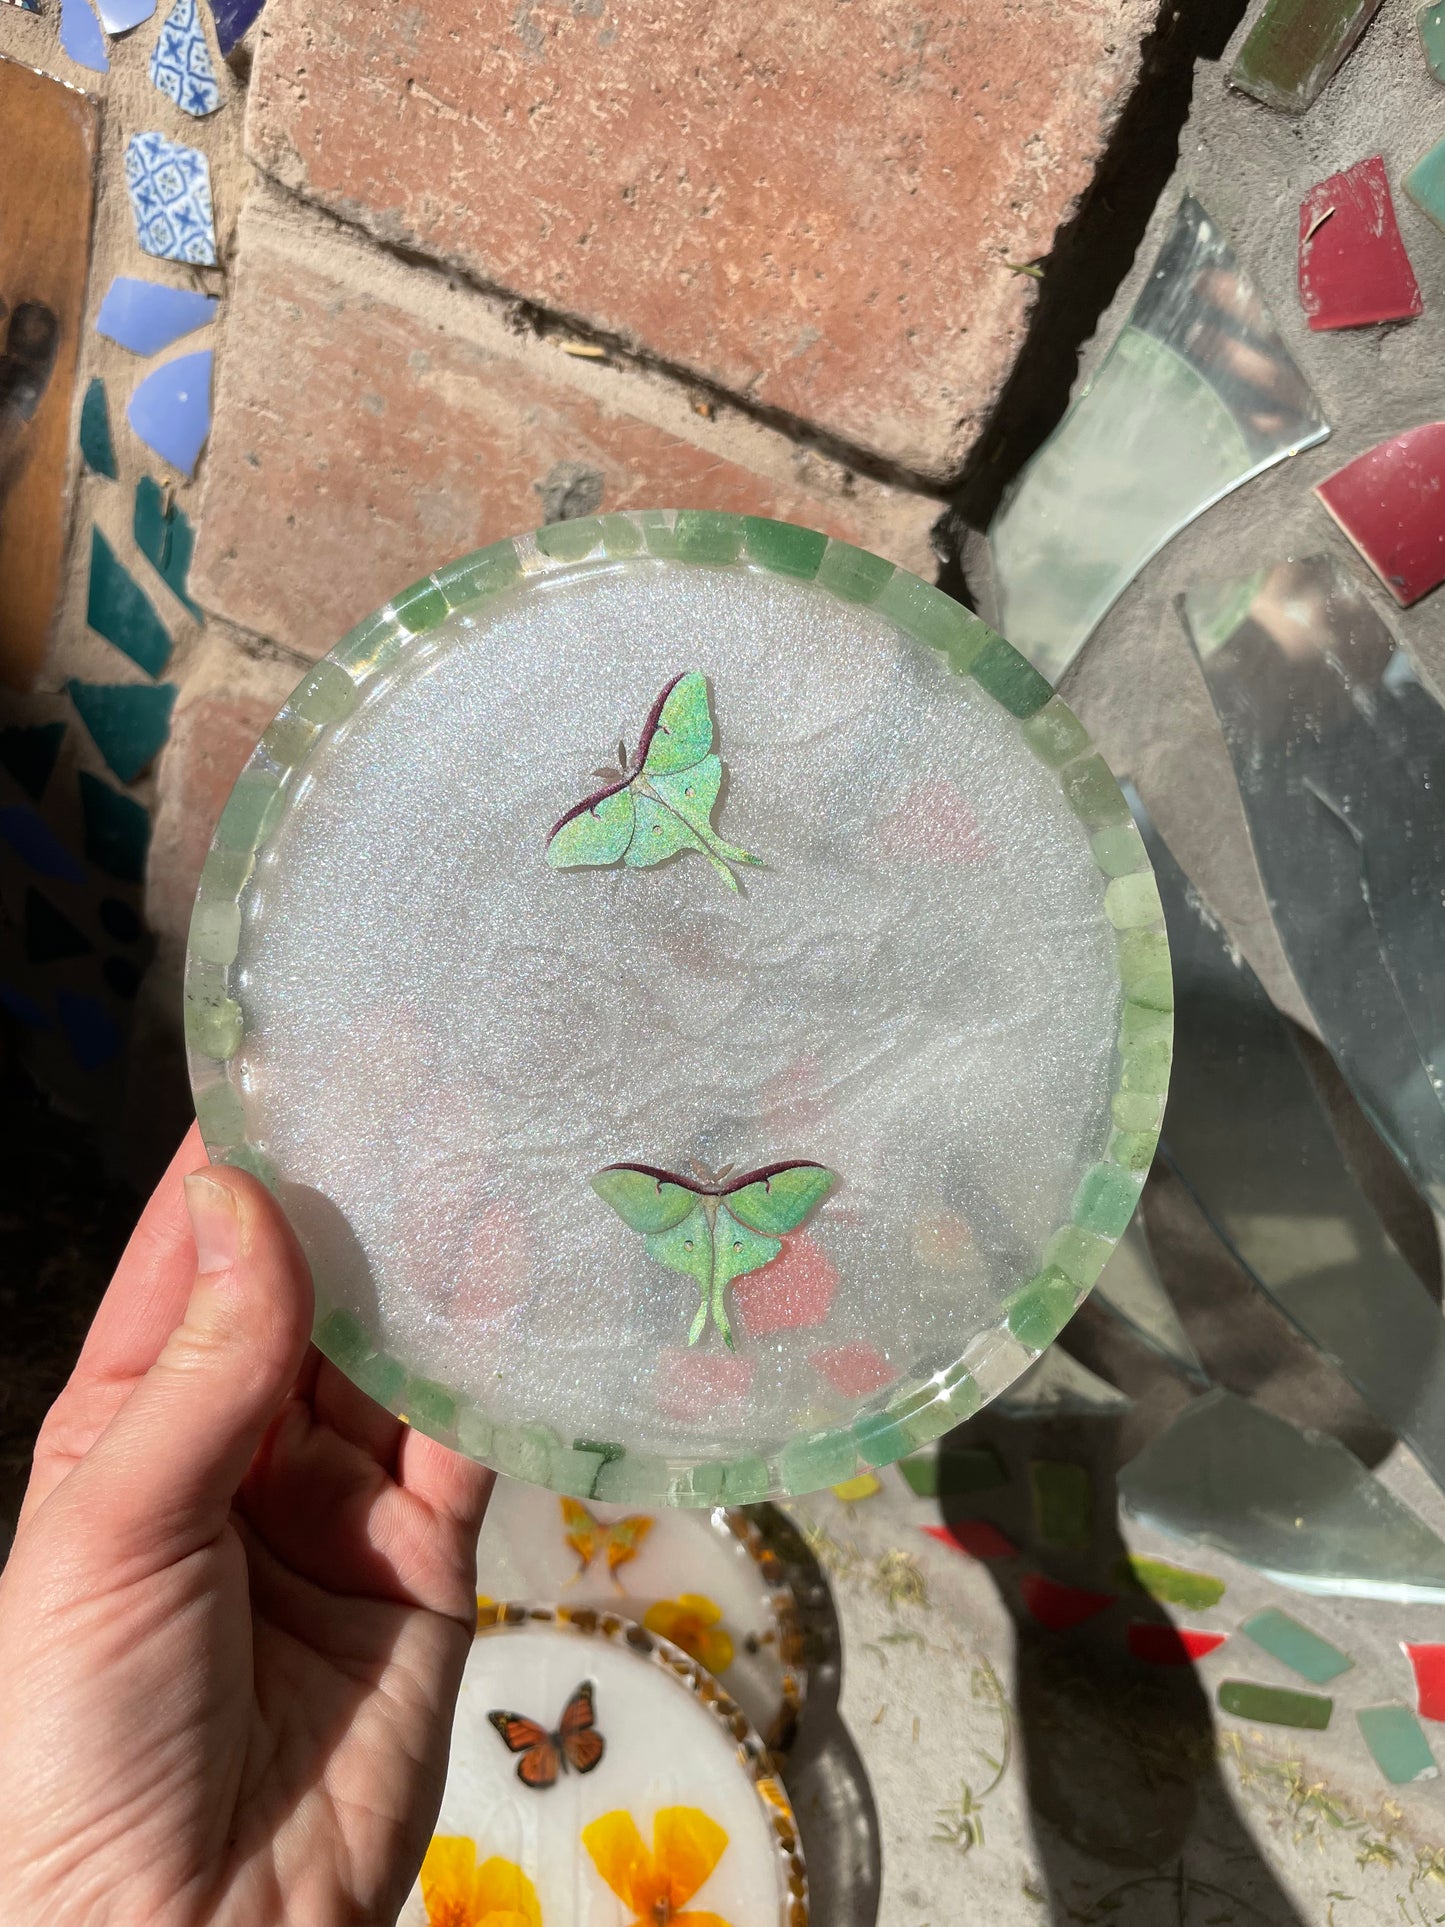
(945, 982)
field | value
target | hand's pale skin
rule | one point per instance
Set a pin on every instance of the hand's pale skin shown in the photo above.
(233, 1623)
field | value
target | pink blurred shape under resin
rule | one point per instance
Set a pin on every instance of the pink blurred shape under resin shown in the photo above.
(1353, 268)
(795, 1290)
(855, 1370)
(1429, 1664)
(1390, 502)
(1165, 1645)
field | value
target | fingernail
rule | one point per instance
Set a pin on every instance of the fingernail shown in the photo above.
(214, 1223)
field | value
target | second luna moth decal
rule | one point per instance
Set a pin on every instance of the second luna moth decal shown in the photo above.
(661, 803)
(714, 1229)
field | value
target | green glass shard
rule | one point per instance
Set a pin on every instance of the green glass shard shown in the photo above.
(95, 441)
(1063, 1503)
(1275, 1705)
(1425, 184)
(1397, 1740)
(1296, 48)
(1431, 22)
(1132, 1290)
(1295, 1646)
(1170, 1585)
(119, 609)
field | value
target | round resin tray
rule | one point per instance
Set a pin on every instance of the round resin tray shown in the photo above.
(598, 1774)
(702, 1117)
(708, 1581)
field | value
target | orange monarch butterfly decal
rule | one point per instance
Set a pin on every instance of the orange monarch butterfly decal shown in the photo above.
(576, 1743)
(588, 1536)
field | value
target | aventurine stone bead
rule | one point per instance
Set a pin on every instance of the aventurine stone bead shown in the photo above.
(1141, 1024)
(1055, 734)
(214, 1024)
(250, 815)
(324, 695)
(853, 574)
(745, 1482)
(431, 1408)
(934, 618)
(289, 739)
(381, 1378)
(1010, 679)
(1145, 1067)
(1078, 1254)
(1132, 1150)
(226, 872)
(1105, 1200)
(220, 1114)
(1042, 1309)
(1137, 1110)
(1119, 851)
(704, 536)
(245, 1157)
(215, 931)
(1094, 796)
(827, 1458)
(343, 1338)
(782, 548)
(420, 607)
(570, 541)
(486, 573)
(474, 1432)
(1132, 901)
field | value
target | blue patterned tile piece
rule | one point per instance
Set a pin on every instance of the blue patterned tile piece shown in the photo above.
(171, 410)
(81, 38)
(181, 62)
(26, 6)
(170, 196)
(146, 316)
(233, 20)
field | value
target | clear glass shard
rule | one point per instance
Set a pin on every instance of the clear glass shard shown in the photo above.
(1294, 1504)
(1131, 1288)
(1249, 1137)
(1057, 1383)
(1339, 752)
(1198, 394)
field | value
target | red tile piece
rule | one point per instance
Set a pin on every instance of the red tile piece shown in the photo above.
(976, 1537)
(1060, 1607)
(1390, 502)
(1165, 1645)
(1353, 268)
(1429, 1665)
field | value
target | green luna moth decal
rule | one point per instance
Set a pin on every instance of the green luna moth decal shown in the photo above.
(659, 805)
(714, 1229)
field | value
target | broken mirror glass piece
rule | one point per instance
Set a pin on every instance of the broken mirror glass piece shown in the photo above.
(119, 609)
(1056, 1383)
(1248, 1135)
(1425, 184)
(233, 19)
(181, 62)
(170, 196)
(1197, 395)
(164, 536)
(1131, 1288)
(1353, 268)
(1397, 1740)
(1275, 1705)
(146, 316)
(1387, 501)
(128, 722)
(171, 409)
(1295, 49)
(1295, 1646)
(1296, 1505)
(28, 753)
(95, 442)
(1427, 1661)
(1339, 752)
(1431, 22)
(119, 16)
(81, 38)
(117, 830)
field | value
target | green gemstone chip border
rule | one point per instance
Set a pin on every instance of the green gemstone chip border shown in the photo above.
(1071, 1259)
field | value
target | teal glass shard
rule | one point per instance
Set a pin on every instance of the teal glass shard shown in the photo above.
(166, 539)
(1296, 47)
(1339, 753)
(28, 753)
(117, 830)
(129, 722)
(1431, 22)
(1294, 1504)
(1246, 1132)
(1425, 184)
(1397, 1740)
(1295, 1646)
(50, 936)
(95, 442)
(1198, 394)
(1131, 1289)
(119, 609)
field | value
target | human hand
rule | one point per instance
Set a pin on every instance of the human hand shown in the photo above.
(234, 1619)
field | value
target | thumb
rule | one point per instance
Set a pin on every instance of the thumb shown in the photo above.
(161, 1478)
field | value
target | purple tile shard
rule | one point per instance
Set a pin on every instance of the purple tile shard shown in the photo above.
(171, 410)
(181, 66)
(146, 316)
(170, 195)
(234, 19)
(81, 38)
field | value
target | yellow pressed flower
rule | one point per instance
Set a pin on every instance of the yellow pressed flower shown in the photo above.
(691, 1621)
(456, 1892)
(686, 1846)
